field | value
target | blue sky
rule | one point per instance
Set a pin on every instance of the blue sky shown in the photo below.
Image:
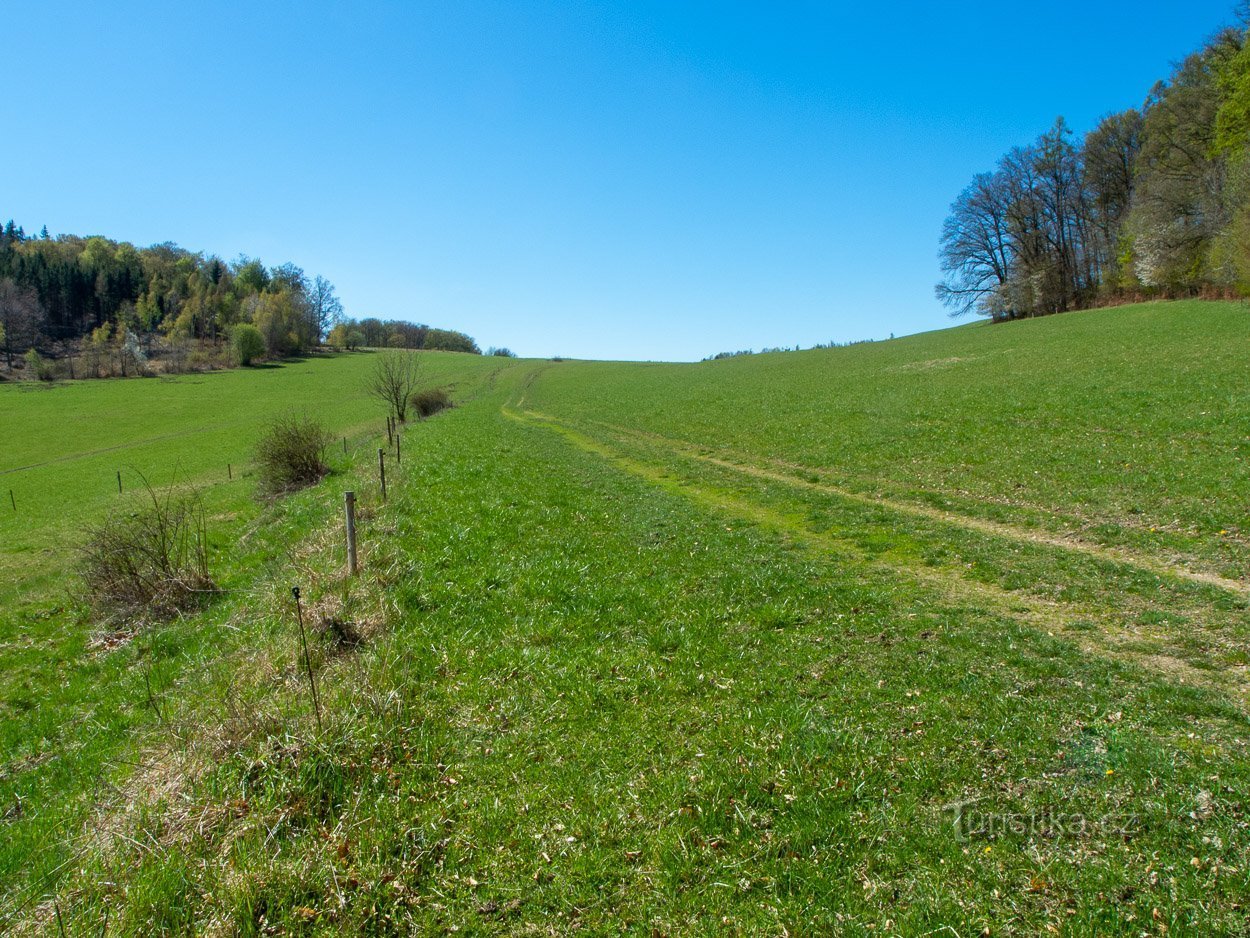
(649, 180)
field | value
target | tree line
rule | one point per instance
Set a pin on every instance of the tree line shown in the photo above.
(111, 301)
(1154, 202)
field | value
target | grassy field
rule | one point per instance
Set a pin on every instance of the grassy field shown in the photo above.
(66, 714)
(946, 634)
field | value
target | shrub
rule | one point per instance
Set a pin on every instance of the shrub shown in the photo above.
(39, 367)
(246, 343)
(152, 563)
(291, 454)
(206, 358)
(429, 402)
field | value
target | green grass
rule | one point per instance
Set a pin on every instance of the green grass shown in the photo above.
(1130, 425)
(67, 719)
(691, 649)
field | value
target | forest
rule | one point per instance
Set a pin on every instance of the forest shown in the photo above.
(1154, 202)
(117, 308)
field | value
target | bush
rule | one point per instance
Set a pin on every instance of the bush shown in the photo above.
(291, 454)
(246, 343)
(152, 563)
(429, 402)
(39, 367)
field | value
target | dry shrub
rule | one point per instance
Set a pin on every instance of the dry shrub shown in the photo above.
(151, 563)
(291, 454)
(429, 402)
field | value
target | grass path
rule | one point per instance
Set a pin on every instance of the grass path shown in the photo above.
(807, 477)
(1112, 638)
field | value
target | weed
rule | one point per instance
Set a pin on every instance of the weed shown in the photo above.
(150, 563)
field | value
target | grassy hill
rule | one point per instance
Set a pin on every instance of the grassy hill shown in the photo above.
(664, 648)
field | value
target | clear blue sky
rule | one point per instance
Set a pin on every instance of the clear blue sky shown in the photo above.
(609, 180)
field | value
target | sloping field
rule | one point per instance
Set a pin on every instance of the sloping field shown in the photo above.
(941, 635)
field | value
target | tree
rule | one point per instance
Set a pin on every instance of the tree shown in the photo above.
(448, 340)
(975, 249)
(250, 275)
(394, 378)
(1018, 240)
(291, 276)
(337, 337)
(279, 322)
(1179, 207)
(39, 367)
(20, 317)
(374, 331)
(246, 343)
(324, 308)
(97, 347)
(1109, 157)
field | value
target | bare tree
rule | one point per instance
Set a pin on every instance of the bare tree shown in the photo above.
(324, 308)
(394, 379)
(20, 317)
(976, 250)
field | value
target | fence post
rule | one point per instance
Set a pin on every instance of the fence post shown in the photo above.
(229, 472)
(344, 446)
(390, 436)
(398, 460)
(350, 505)
(13, 499)
(119, 481)
(382, 471)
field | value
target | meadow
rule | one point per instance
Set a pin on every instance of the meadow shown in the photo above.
(941, 634)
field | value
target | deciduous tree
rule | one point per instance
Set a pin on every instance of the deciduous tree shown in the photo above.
(394, 378)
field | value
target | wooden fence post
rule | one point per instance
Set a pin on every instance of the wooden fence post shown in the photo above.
(382, 471)
(350, 505)
(119, 481)
(397, 457)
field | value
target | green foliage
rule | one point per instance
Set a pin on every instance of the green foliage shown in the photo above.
(1151, 203)
(447, 340)
(1232, 118)
(39, 367)
(276, 317)
(429, 402)
(66, 287)
(247, 344)
(338, 336)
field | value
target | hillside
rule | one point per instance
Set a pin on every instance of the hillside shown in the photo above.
(660, 648)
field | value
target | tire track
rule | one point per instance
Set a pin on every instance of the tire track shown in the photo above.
(786, 473)
(1052, 617)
